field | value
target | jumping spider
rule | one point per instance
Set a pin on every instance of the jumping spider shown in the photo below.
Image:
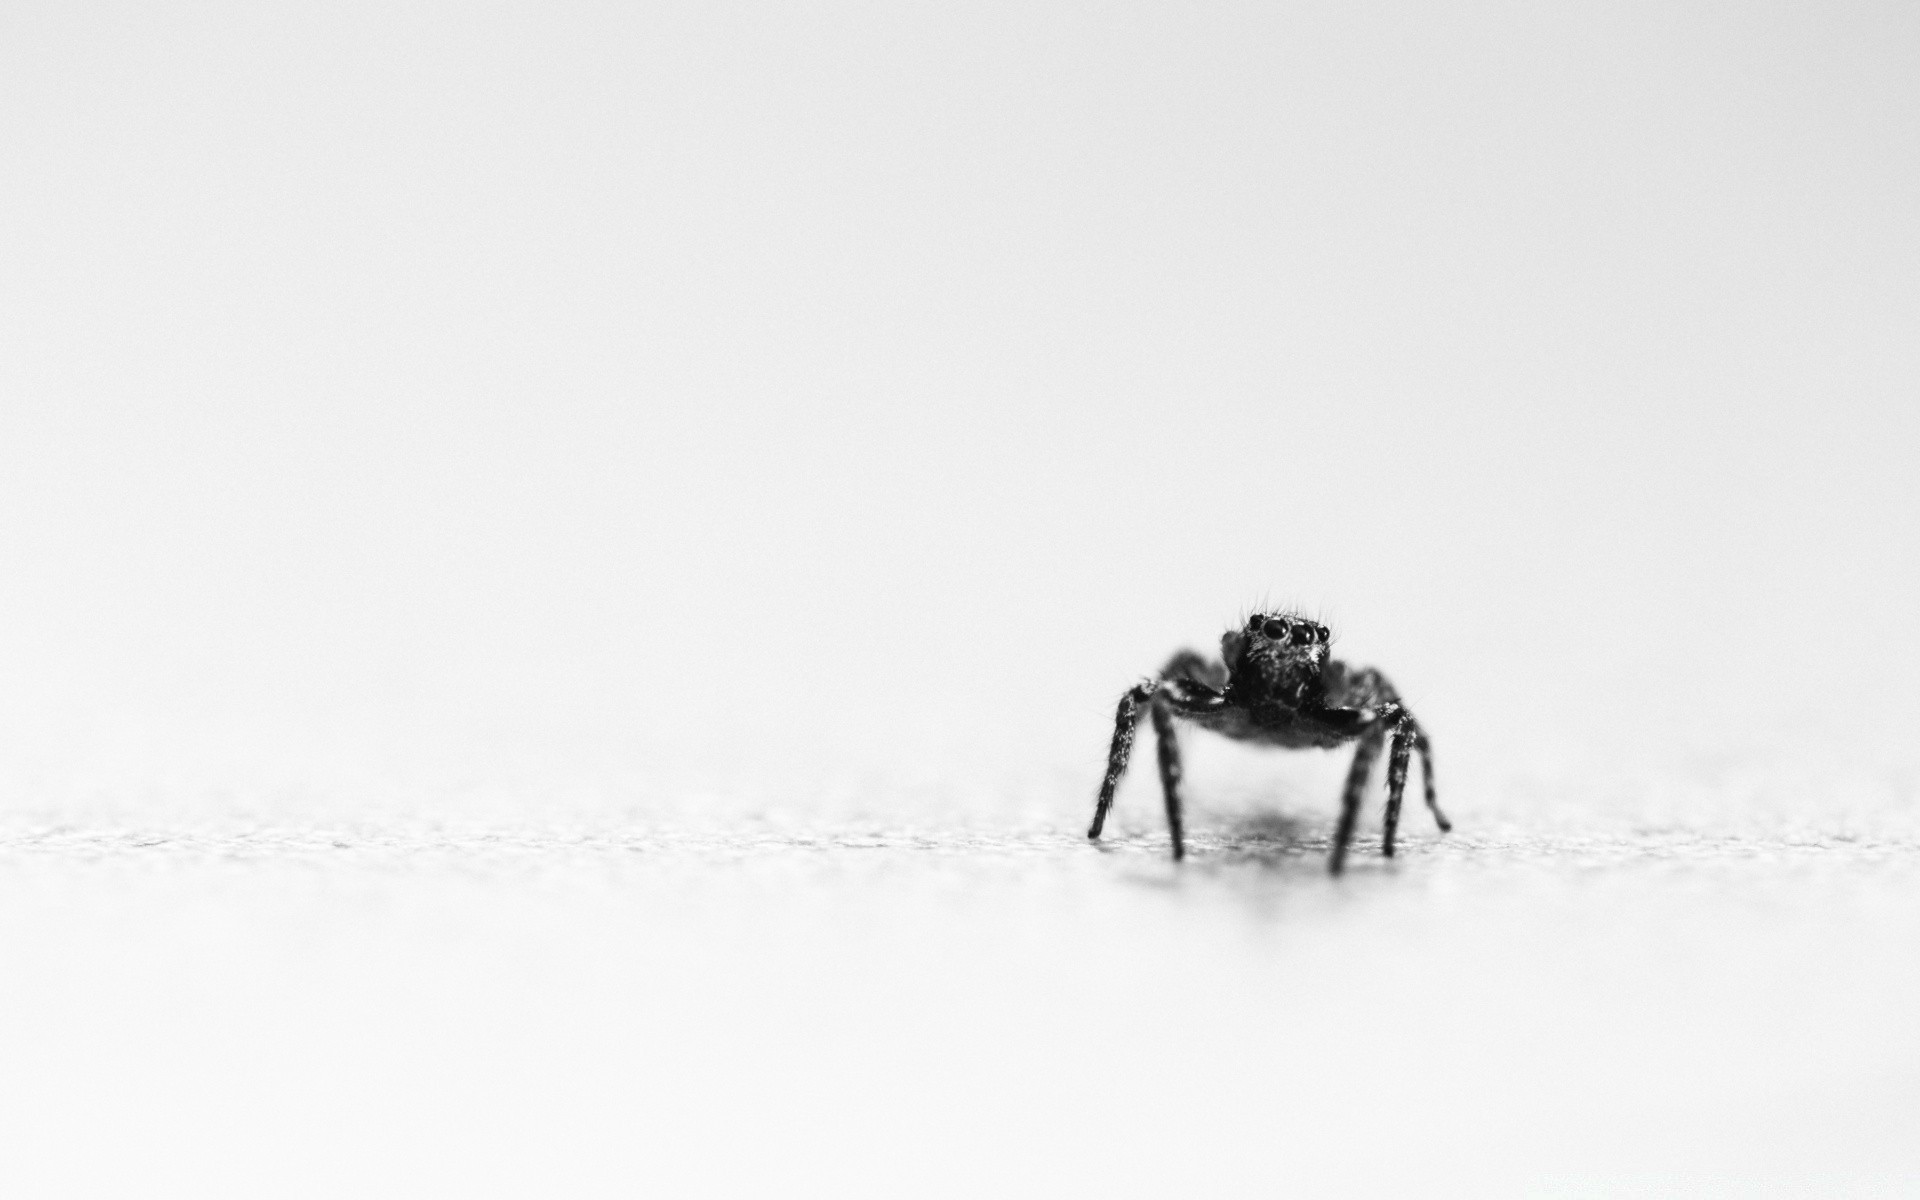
(1276, 684)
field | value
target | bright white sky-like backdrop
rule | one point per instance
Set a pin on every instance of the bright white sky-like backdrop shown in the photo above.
(509, 412)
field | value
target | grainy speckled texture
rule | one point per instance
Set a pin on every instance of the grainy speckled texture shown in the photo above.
(870, 991)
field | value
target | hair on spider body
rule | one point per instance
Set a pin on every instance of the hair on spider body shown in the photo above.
(1276, 683)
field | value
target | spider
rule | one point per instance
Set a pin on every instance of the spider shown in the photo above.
(1276, 684)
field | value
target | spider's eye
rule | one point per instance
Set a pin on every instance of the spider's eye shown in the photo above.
(1302, 634)
(1274, 628)
(1320, 634)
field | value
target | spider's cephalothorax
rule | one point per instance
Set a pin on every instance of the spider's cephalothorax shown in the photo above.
(1275, 661)
(1275, 683)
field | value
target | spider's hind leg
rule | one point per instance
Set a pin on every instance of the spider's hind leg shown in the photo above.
(1426, 777)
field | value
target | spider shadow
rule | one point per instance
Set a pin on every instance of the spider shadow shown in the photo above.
(1272, 840)
(1258, 823)
(1276, 843)
(1272, 863)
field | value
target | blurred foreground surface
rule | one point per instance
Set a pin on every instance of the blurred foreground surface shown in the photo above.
(907, 991)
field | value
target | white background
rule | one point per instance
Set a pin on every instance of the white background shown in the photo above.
(502, 506)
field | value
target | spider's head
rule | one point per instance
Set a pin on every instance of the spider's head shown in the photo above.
(1276, 657)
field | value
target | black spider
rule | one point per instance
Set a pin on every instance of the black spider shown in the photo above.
(1276, 685)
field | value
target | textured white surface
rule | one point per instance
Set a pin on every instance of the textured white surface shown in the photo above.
(873, 992)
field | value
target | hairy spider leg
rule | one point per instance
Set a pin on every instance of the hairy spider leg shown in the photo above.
(1124, 719)
(1181, 671)
(1196, 667)
(1366, 685)
(1426, 777)
(1369, 685)
(1363, 756)
(1169, 773)
(1404, 735)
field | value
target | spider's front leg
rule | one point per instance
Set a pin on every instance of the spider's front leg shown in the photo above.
(1169, 775)
(1194, 667)
(1363, 756)
(1184, 686)
(1408, 736)
(1367, 693)
(1124, 719)
(1396, 783)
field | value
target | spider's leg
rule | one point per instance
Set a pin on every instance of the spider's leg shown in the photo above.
(1364, 687)
(1195, 667)
(1367, 690)
(1363, 756)
(1426, 777)
(1404, 736)
(1169, 774)
(1124, 720)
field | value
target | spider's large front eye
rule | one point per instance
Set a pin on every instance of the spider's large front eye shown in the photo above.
(1276, 629)
(1302, 634)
